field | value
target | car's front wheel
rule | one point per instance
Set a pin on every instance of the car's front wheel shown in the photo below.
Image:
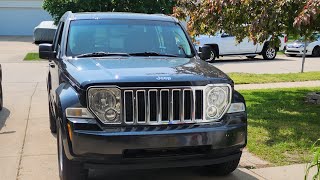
(222, 169)
(68, 170)
(213, 56)
(316, 51)
(52, 119)
(269, 53)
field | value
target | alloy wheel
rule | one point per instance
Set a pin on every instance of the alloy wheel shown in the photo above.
(271, 53)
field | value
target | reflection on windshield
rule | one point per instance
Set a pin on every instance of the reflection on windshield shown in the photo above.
(315, 37)
(124, 36)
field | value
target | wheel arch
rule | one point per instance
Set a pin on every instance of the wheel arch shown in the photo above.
(66, 96)
(215, 47)
(312, 49)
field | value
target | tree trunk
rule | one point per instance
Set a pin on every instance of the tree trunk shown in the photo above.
(304, 54)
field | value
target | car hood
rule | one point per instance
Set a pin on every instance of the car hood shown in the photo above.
(111, 70)
(297, 44)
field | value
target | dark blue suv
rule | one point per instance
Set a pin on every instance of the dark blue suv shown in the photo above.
(130, 91)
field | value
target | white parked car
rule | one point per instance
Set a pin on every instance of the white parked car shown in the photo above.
(297, 47)
(223, 44)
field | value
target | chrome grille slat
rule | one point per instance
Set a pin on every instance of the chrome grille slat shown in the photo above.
(154, 102)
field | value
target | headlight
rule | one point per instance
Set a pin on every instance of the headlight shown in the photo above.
(217, 101)
(105, 103)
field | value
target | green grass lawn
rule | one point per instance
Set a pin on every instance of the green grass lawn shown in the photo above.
(282, 127)
(32, 57)
(245, 78)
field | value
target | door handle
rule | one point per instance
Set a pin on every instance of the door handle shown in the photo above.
(52, 65)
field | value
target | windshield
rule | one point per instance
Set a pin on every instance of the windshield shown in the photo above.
(140, 37)
(315, 37)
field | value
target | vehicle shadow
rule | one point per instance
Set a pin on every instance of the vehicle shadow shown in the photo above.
(4, 114)
(190, 173)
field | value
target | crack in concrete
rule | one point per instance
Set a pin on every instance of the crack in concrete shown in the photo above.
(25, 132)
(38, 155)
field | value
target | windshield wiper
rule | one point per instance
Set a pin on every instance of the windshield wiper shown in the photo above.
(101, 54)
(151, 54)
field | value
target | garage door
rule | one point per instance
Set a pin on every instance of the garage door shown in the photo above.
(20, 21)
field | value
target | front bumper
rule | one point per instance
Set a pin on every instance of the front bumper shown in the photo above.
(201, 144)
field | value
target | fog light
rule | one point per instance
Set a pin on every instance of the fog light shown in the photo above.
(212, 111)
(111, 115)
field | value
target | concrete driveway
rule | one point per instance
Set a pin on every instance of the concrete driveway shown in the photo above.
(14, 49)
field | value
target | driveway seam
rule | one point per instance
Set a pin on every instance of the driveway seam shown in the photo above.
(39, 155)
(25, 132)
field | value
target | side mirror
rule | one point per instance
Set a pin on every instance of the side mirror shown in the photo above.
(224, 35)
(46, 51)
(205, 52)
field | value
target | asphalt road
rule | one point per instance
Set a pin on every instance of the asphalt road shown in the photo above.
(281, 64)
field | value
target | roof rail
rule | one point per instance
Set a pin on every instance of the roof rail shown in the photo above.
(67, 14)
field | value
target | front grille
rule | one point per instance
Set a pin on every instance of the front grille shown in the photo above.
(166, 152)
(293, 51)
(162, 106)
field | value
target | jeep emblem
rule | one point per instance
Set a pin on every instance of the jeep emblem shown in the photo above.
(163, 78)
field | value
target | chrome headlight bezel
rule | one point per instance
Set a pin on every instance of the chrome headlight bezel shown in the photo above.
(113, 91)
(224, 106)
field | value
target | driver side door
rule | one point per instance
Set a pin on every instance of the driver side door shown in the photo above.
(228, 44)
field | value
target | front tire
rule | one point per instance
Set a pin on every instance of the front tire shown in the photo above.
(269, 53)
(222, 169)
(316, 51)
(69, 170)
(52, 119)
(213, 56)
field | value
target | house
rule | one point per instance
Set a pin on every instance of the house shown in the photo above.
(19, 17)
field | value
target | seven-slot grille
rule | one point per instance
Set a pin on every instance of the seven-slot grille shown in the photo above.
(162, 106)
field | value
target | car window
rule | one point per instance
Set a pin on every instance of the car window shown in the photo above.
(124, 36)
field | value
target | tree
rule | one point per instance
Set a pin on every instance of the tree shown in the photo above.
(256, 19)
(58, 7)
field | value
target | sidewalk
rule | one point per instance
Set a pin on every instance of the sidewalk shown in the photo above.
(278, 85)
(292, 172)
